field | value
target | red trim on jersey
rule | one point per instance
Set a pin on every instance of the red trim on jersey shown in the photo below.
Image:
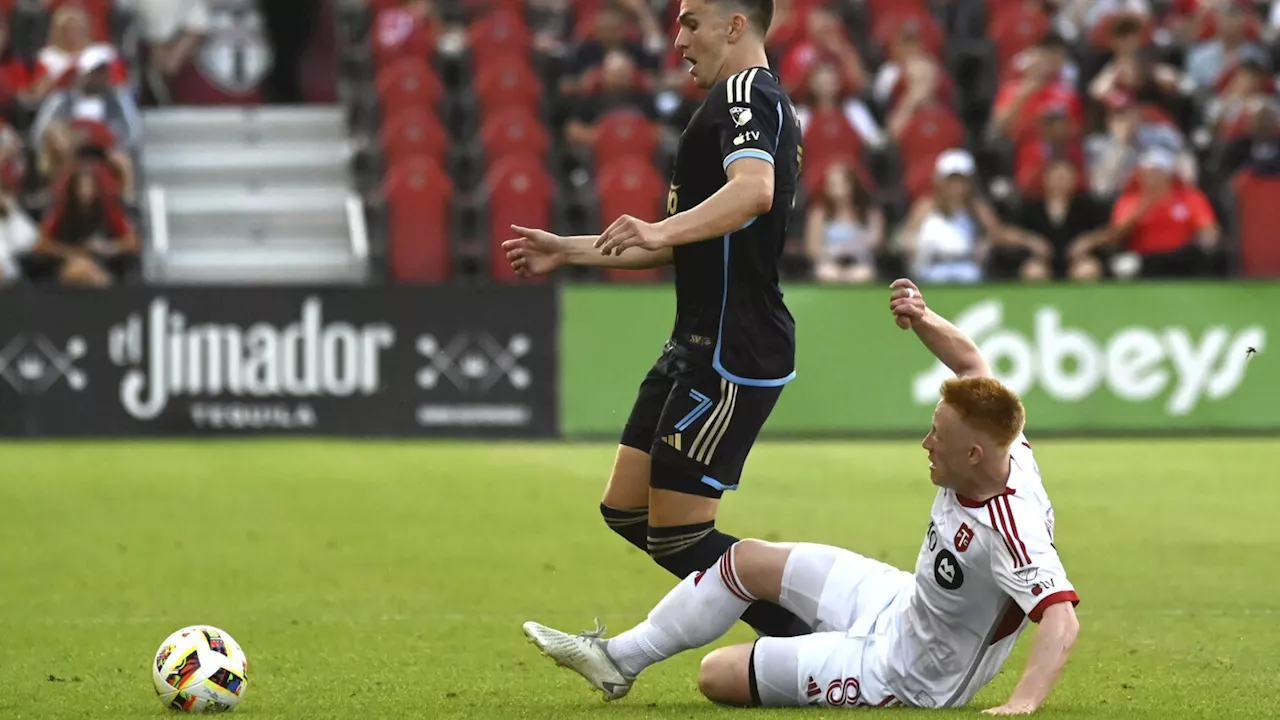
(995, 524)
(1061, 596)
(1009, 622)
(1013, 524)
(970, 503)
(730, 580)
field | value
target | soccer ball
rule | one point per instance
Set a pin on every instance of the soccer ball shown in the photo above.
(200, 669)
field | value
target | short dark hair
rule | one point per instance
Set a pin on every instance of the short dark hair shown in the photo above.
(759, 12)
(1053, 41)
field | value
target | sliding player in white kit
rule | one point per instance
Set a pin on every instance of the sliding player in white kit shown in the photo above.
(882, 636)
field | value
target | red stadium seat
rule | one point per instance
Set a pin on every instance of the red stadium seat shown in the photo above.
(507, 80)
(413, 132)
(631, 186)
(514, 131)
(419, 199)
(1257, 216)
(520, 193)
(932, 129)
(407, 83)
(502, 28)
(829, 133)
(625, 133)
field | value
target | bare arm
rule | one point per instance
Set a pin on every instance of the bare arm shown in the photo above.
(1049, 652)
(947, 342)
(747, 195)
(580, 250)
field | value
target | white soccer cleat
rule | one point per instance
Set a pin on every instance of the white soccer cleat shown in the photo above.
(584, 654)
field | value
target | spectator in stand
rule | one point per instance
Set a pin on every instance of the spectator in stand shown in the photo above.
(1057, 137)
(57, 64)
(18, 235)
(1258, 151)
(173, 31)
(1112, 154)
(1242, 89)
(85, 239)
(892, 79)
(1044, 82)
(823, 92)
(618, 89)
(1208, 60)
(944, 236)
(551, 22)
(611, 34)
(1079, 19)
(1130, 71)
(844, 229)
(825, 41)
(1066, 219)
(1162, 226)
(15, 77)
(922, 79)
(92, 118)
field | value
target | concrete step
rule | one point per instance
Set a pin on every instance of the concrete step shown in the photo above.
(296, 163)
(195, 267)
(263, 214)
(244, 125)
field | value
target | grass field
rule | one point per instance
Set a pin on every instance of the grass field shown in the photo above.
(378, 581)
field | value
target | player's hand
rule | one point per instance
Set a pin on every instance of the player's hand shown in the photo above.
(1011, 709)
(627, 232)
(535, 252)
(906, 303)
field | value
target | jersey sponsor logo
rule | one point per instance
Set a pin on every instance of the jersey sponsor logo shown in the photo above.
(932, 537)
(1042, 586)
(964, 536)
(741, 115)
(811, 689)
(746, 137)
(673, 200)
(946, 570)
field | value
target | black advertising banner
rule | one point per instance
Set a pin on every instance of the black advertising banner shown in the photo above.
(428, 361)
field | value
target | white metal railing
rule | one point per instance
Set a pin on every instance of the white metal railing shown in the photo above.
(356, 229)
(158, 211)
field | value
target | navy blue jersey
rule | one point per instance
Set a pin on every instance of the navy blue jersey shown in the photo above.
(729, 306)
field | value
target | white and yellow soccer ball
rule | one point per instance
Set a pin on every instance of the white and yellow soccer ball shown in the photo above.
(200, 669)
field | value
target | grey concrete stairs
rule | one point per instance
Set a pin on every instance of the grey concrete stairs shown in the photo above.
(251, 195)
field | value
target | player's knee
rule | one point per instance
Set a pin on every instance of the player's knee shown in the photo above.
(724, 678)
(631, 525)
(759, 566)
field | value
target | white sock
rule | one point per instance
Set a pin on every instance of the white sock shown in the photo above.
(696, 612)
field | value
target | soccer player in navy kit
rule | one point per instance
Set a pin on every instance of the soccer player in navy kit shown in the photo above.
(702, 405)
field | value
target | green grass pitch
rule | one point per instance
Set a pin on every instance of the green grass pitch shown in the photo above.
(378, 581)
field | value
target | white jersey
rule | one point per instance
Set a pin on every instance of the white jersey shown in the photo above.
(983, 570)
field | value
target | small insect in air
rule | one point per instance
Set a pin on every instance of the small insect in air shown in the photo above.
(1250, 352)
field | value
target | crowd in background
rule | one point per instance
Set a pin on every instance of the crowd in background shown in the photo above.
(1103, 146)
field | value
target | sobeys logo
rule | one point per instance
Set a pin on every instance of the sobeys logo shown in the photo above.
(1137, 363)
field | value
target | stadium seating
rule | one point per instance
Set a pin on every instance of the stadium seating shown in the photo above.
(419, 198)
(507, 158)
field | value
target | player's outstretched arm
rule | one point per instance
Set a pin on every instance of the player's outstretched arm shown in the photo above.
(747, 195)
(946, 341)
(1049, 652)
(538, 252)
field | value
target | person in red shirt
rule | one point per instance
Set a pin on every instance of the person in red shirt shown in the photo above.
(1164, 224)
(85, 239)
(1021, 100)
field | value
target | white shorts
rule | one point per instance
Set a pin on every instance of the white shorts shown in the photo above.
(840, 594)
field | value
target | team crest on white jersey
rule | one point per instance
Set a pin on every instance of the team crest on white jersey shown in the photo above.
(234, 55)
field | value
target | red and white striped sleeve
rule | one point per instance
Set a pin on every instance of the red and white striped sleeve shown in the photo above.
(1024, 559)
